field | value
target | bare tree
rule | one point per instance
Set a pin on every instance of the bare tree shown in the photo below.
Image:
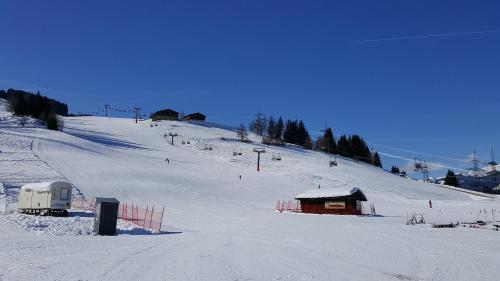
(241, 132)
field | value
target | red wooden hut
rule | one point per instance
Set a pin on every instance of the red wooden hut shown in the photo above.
(337, 201)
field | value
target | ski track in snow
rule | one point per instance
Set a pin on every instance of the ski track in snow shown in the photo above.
(218, 226)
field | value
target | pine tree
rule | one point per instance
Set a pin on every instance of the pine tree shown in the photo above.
(451, 179)
(278, 132)
(395, 170)
(376, 160)
(343, 147)
(302, 134)
(271, 129)
(329, 144)
(290, 134)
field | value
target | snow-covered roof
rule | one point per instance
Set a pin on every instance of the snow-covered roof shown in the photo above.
(45, 186)
(329, 193)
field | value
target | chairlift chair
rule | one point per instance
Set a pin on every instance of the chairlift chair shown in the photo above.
(278, 157)
(274, 157)
(235, 153)
(333, 163)
(240, 153)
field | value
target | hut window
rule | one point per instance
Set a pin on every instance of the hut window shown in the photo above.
(64, 194)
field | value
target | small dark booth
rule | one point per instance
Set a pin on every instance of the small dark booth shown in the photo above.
(106, 216)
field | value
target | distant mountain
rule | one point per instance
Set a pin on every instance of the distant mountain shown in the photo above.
(487, 179)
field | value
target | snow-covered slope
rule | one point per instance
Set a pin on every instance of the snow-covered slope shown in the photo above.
(222, 227)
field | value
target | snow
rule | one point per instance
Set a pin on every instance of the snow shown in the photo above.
(218, 227)
(45, 186)
(328, 192)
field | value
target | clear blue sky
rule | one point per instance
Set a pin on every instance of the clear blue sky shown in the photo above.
(434, 87)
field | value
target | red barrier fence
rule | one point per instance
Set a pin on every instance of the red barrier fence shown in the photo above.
(149, 218)
(284, 206)
(82, 203)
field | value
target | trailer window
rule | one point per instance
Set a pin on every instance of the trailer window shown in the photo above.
(64, 194)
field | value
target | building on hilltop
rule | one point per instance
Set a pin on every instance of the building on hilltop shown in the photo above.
(197, 116)
(166, 114)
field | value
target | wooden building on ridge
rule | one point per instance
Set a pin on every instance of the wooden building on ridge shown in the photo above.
(166, 114)
(197, 116)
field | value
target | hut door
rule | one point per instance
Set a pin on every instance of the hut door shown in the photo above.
(359, 205)
(29, 199)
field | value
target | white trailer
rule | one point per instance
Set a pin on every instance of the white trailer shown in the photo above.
(52, 198)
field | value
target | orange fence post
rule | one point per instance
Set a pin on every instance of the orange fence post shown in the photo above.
(145, 216)
(151, 220)
(161, 220)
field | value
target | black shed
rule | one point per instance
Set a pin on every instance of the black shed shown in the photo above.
(166, 114)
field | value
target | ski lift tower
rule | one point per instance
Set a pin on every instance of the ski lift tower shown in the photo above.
(422, 167)
(259, 151)
(172, 135)
(425, 171)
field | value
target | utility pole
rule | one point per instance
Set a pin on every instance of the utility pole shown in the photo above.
(173, 135)
(136, 111)
(259, 151)
(106, 106)
(493, 164)
(475, 168)
(260, 123)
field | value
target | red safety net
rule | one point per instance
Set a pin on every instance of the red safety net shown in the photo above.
(150, 217)
(284, 206)
(82, 203)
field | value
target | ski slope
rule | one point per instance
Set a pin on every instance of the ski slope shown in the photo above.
(219, 227)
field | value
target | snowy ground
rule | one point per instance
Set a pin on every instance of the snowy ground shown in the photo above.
(219, 227)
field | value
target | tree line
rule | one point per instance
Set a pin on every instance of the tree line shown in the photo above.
(278, 132)
(24, 103)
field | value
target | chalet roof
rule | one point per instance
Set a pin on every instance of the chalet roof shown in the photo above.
(166, 112)
(45, 186)
(195, 114)
(331, 193)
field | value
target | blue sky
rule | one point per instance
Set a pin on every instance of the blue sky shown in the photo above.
(434, 87)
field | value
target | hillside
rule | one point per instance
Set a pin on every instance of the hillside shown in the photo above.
(223, 228)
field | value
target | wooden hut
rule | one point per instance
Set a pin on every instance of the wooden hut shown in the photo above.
(337, 201)
(197, 116)
(166, 114)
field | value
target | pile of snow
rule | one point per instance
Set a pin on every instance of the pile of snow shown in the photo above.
(78, 223)
(75, 225)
